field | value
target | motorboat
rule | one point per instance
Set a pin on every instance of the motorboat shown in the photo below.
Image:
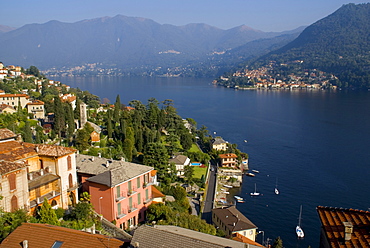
(255, 171)
(250, 174)
(276, 189)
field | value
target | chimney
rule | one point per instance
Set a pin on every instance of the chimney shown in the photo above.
(25, 243)
(123, 159)
(348, 229)
(92, 159)
(99, 154)
(107, 164)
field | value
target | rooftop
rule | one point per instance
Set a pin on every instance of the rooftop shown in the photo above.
(179, 159)
(15, 150)
(233, 219)
(333, 220)
(228, 155)
(6, 134)
(107, 171)
(45, 236)
(6, 166)
(218, 141)
(173, 236)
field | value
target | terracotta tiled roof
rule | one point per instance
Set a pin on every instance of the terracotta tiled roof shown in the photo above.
(45, 236)
(6, 134)
(332, 220)
(173, 236)
(4, 106)
(241, 238)
(15, 150)
(233, 219)
(228, 155)
(36, 102)
(14, 95)
(6, 166)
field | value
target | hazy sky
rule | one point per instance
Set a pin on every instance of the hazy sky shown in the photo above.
(265, 15)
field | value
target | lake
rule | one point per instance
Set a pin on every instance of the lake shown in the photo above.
(315, 142)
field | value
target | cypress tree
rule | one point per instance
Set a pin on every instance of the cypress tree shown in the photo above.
(117, 109)
(59, 119)
(27, 134)
(47, 214)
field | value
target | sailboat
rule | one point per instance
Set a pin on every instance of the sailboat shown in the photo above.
(255, 193)
(298, 228)
(276, 189)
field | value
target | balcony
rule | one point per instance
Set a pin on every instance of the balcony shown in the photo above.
(119, 216)
(40, 200)
(72, 187)
(121, 197)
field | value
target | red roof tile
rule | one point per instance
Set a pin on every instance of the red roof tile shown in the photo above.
(45, 235)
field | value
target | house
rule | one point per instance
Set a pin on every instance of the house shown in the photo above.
(14, 100)
(180, 162)
(49, 171)
(219, 144)
(174, 236)
(343, 227)
(6, 109)
(36, 107)
(228, 160)
(119, 190)
(69, 98)
(47, 236)
(232, 221)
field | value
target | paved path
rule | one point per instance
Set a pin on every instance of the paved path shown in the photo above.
(208, 204)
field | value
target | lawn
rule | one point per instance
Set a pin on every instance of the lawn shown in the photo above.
(194, 148)
(198, 172)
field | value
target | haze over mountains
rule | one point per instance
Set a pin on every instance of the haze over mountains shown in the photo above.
(131, 44)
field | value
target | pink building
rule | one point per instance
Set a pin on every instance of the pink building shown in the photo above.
(120, 191)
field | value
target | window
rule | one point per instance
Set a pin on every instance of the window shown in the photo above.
(57, 244)
(14, 203)
(12, 181)
(119, 209)
(130, 203)
(41, 164)
(69, 163)
(118, 189)
(70, 180)
(138, 198)
(138, 183)
(129, 186)
(146, 194)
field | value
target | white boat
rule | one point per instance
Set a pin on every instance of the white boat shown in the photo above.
(276, 189)
(228, 186)
(250, 174)
(298, 228)
(256, 171)
(238, 197)
(240, 201)
(255, 193)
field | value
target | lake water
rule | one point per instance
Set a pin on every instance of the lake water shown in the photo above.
(315, 142)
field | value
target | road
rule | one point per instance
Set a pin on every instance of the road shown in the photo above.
(208, 204)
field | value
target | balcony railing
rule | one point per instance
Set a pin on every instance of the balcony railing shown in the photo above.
(121, 197)
(40, 200)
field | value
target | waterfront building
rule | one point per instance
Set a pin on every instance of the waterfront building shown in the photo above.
(120, 191)
(231, 221)
(228, 160)
(219, 144)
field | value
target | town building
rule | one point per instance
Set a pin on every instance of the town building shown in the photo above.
(6, 109)
(32, 172)
(36, 107)
(174, 236)
(49, 236)
(120, 191)
(231, 221)
(180, 162)
(14, 100)
(228, 160)
(343, 227)
(219, 144)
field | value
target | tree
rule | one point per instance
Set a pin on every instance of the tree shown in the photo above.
(33, 70)
(9, 221)
(59, 121)
(278, 243)
(155, 155)
(47, 215)
(117, 109)
(189, 173)
(27, 134)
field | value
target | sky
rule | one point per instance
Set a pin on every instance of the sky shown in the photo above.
(264, 15)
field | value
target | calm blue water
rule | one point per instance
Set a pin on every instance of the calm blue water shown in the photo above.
(315, 142)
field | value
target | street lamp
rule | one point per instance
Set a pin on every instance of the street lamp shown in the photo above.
(100, 204)
(263, 236)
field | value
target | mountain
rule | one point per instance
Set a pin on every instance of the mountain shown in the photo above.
(4, 29)
(337, 44)
(122, 42)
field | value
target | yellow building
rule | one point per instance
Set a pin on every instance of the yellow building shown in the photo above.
(42, 171)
